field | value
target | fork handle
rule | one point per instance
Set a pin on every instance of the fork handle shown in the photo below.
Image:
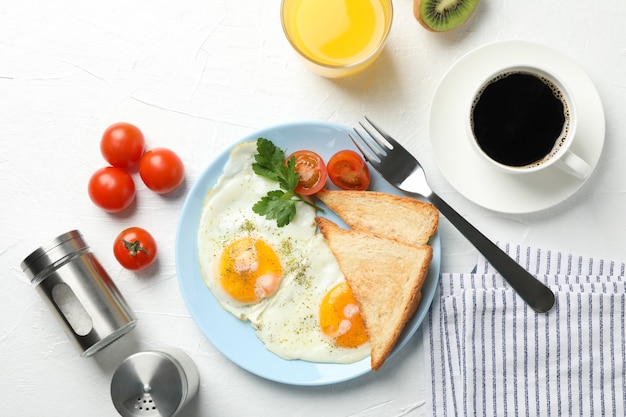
(538, 296)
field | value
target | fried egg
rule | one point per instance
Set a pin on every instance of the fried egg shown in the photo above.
(314, 317)
(284, 280)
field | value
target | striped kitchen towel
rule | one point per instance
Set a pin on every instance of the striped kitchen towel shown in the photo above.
(488, 354)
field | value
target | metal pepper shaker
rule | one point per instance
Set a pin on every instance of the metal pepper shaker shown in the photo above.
(77, 288)
(154, 383)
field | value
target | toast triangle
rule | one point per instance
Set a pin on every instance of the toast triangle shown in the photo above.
(408, 220)
(386, 277)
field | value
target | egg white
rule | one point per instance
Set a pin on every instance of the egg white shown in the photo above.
(287, 322)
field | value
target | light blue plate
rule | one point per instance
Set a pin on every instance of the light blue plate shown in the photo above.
(236, 339)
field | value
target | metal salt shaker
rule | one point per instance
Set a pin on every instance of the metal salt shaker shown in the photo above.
(77, 288)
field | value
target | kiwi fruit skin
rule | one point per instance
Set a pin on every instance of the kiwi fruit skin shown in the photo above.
(455, 14)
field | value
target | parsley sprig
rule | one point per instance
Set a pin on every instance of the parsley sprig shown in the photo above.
(279, 205)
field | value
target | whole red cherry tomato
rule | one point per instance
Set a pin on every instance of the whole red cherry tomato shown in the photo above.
(122, 145)
(135, 248)
(348, 171)
(111, 189)
(312, 172)
(161, 170)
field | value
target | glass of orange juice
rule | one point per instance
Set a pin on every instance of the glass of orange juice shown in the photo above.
(337, 38)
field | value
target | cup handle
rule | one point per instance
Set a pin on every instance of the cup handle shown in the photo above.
(574, 165)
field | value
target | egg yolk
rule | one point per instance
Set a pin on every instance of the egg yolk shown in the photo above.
(250, 270)
(340, 318)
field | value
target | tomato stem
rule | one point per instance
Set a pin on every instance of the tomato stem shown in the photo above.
(134, 247)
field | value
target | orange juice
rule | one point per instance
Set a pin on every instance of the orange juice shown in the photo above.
(346, 34)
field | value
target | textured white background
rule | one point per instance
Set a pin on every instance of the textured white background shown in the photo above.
(195, 76)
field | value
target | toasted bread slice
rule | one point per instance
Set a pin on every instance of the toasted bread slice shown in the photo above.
(402, 218)
(386, 277)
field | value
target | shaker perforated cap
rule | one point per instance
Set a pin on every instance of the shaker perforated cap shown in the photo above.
(153, 384)
(49, 256)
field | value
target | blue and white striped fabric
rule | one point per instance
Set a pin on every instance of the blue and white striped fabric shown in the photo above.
(491, 355)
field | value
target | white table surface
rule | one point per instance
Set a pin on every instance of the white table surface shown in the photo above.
(195, 76)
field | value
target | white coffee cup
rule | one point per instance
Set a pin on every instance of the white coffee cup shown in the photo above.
(522, 120)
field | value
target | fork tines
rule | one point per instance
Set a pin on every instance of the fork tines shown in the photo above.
(377, 146)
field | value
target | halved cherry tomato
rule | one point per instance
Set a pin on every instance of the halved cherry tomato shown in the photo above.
(111, 189)
(348, 171)
(312, 172)
(122, 144)
(161, 170)
(135, 248)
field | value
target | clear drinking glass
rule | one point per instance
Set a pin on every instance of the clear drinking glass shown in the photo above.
(337, 38)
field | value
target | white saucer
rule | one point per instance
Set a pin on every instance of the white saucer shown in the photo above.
(476, 179)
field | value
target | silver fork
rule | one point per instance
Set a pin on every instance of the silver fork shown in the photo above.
(403, 171)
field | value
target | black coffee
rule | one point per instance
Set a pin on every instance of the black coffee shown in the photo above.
(518, 118)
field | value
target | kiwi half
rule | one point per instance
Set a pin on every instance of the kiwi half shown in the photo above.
(443, 15)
